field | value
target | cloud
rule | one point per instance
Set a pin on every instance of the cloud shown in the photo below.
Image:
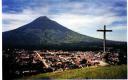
(76, 22)
(15, 20)
(85, 16)
(119, 28)
(77, 17)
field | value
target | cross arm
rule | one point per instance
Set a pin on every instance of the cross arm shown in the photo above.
(108, 30)
(105, 30)
(101, 30)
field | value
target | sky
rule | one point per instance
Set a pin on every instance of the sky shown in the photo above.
(82, 16)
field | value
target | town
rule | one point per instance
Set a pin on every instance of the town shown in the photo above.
(25, 62)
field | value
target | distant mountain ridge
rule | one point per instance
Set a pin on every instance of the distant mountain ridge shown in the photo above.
(43, 32)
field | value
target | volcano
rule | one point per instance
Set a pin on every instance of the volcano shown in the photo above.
(46, 33)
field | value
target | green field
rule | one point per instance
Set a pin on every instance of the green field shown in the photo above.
(108, 72)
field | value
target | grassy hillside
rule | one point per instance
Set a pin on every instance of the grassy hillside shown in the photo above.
(110, 72)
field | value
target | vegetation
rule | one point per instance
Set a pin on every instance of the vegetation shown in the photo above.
(44, 33)
(108, 72)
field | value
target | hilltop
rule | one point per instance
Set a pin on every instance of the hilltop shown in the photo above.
(107, 72)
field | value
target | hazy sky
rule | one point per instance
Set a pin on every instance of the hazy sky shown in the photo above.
(83, 16)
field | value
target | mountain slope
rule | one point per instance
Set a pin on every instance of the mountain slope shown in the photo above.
(44, 32)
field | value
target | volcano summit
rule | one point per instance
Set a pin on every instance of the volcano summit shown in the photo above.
(46, 33)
